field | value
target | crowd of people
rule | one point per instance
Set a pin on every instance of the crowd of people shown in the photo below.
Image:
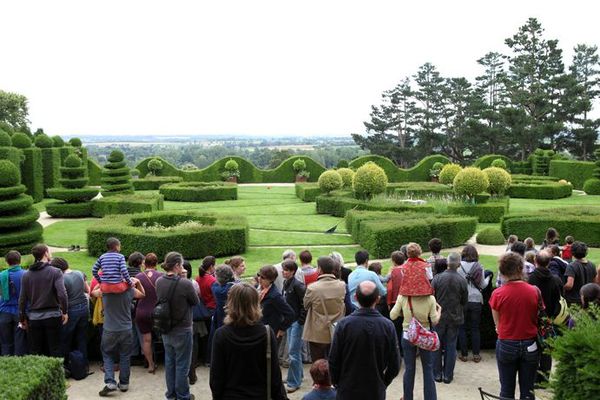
(354, 326)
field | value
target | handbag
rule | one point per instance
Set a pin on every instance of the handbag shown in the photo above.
(420, 336)
(563, 315)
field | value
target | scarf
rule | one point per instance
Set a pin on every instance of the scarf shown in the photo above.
(4, 284)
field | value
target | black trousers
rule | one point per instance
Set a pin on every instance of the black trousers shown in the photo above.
(44, 336)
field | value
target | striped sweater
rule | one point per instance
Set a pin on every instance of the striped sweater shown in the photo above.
(114, 269)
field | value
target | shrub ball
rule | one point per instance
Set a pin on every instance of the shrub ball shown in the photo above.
(499, 180)
(75, 142)
(499, 163)
(116, 156)
(592, 186)
(448, 173)
(231, 165)
(299, 165)
(370, 179)
(57, 141)
(72, 161)
(5, 140)
(155, 166)
(43, 141)
(347, 175)
(490, 236)
(21, 140)
(470, 181)
(329, 181)
(9, 174)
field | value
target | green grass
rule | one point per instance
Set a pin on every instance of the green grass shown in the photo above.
(68, 233)
(525, 205)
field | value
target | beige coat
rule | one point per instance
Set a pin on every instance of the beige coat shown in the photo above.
(331, 291)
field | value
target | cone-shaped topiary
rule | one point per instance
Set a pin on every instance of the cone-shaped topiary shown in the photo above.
(20, 140)
(329, 181)
(499, 180)
(347, 175)
(470, 181)
(116, 178)
(73, 192)
(448, 173)
(370, 179)
(43, 141)
(19, 229)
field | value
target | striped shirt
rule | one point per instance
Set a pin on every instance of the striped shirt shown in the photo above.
(114, 269)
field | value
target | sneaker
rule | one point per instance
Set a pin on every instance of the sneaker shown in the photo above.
(123, 387)
(438, 379)
(107, 390)
(291, 389)
(446, 380)
(463, 358)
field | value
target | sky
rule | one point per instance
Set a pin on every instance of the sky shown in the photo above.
(297, 68)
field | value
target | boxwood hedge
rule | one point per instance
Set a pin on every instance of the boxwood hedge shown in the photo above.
(540, 190)
(338, 203)
(307, 191)
(421, 189)
(127, 204)
(576, 172)
(420, 172)
(11, 154)
(492, 211)
(219, 235)
(199, 191)
(154, 182)
(486, 161)
(32, 378)
(94, 172)
(381, 233)
(51, 167)
(32, 173)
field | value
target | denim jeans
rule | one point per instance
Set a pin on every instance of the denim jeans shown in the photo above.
(75, 330)
(13, 339)
(294, 341)
(178, 355)
(517, 357)
(44, 336)
(445, 357)
(410, 359)
(472, 321)
(116, 349)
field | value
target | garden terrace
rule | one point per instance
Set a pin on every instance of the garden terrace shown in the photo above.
(199, 191)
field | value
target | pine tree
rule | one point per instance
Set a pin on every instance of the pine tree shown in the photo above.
(429, 117)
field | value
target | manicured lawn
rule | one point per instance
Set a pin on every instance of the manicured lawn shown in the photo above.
(68, 233)
(281, 238)
(525, 205)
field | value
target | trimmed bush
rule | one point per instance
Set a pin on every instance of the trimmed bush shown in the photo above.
(199, 191)
(448, 173)
(470, 181)
(339, 203)
(490, 236)
(418, 173)
(154, 182)
(421, 189)
(343, 163)
(135, 173)
(499, 163)
(307, 191)
(21, 141)
(576, 172)
(155, 166)
(384, 232)
(329, 181)
(50, 167)
(541, 161)
(487, 161)
(43, 141)
(592, 186)
(75, 142)
(18, 227)
(94, 172)
(369, 180)
(299, 165)
(487, 212)
(232, 170)
(520, 178)
(218, 234)
(540, 190)
(115, 175)
(5, 140)
(499, 180)
(127, 204)
(57, 141)
(11, 154)
(347, 176)
(521, 167)
(32, 378)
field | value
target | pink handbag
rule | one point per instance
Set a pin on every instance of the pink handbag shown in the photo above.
(420, 336)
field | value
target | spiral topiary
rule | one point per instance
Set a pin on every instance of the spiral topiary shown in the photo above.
(74, 193)
(499, 163)
(43, 141)
(19, 229)
(330, 181)
(370, 179)
(5, 140)
(347, 175)
(57, 141)
(499, 180)
(470, 181)
(116, 178)
(155, 166)
(448, 173)
(75, 142)
(20, 140)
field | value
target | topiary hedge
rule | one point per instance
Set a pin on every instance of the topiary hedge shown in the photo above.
(127, 204)
(32, 378)
(216, 235)
(339, 203)
(522, 167)
(369, 180)
(154, 182)
(592, 186)
(491, 236)
(418, 173)
(199, 191)
(540, 190)
(581, 223)
(115, 175)
(487, 160)
(50, 165)
(32, 173)
(307, 191)
(347, 176)
(19, 229)
(487, 212)
(499, 180)
(470, 181)
(521, 178)
(448, 173)
(94, 172)
(329, 181)
(381, 233)
(421, 189)
(576, 172)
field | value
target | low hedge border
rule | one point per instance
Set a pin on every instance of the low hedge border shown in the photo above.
(540, 190)
(581, 223)
(307, 191)
(338, 205)
(492, 211)
(219, 235)
(154, 182)
(32, 377)
(70, 210)
(127, 204)
(517, 178)
(421, 189)
(199, 191)
(381, 233)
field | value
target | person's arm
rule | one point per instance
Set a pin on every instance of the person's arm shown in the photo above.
(23, 299)
(569, 284)
(308, 299)
(335, 355)
(396, 311)
(464, 294)
(435, 311)
(125, 272)
(300, 292)
(382, 289)
(192, 296)
(393, 366)
(61, 293)
(138, 289)
(97, 266)
(286, 313)
(496, 316)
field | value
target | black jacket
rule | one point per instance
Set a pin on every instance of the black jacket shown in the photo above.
(364, 357)
(551, 288)
(275, 311)
(557, 267)
(294, 291)
(238, 369)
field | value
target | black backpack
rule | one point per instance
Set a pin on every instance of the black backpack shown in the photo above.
(162, 322)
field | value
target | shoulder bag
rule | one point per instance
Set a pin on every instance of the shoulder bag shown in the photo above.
(420, 336)
(330, 323)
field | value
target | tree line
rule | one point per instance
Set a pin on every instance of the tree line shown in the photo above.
(523, 100)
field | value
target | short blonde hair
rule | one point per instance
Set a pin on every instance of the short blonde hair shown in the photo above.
(413, 250)
(242, 306)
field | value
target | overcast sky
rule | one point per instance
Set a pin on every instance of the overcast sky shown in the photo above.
(248, 67)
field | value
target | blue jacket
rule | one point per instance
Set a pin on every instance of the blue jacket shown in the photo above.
(275, 311)
(220, 293)
(361, 274)
(366, 336)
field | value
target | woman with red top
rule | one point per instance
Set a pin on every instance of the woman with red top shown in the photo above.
(205, 281)
(515, 311)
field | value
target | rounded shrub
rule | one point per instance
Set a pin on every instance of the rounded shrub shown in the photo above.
(135, 172)
(592, 186)
(343, 164)
(231, 165)
(9, 174)
(72, 161)
(116, 156)
(21, 140)
(57, 141)
(299, 165)
(470, 181)
(370, 179)
(448, 173)
(499, 180)
(490, 236)
(75, 142)
(347, 175)
(155, 166)
(43, 141)
(329, 181)
(499, 163)
(5, 140)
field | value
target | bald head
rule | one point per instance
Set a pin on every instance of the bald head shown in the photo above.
(367, 294)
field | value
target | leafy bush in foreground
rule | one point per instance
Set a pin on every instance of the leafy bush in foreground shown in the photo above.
(32, 378)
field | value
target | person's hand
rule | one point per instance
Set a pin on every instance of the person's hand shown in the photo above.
(135, 281)
(438, 308)
(65, 319)
(23, 325)
(280, 334)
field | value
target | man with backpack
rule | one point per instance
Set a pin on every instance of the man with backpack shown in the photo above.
(117, 339)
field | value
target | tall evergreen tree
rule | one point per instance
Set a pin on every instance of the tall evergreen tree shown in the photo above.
(430, 107)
